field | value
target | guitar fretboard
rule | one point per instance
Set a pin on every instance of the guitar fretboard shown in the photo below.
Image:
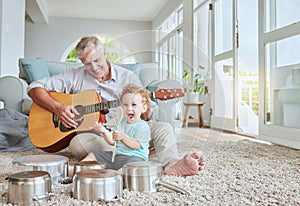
(101, 106)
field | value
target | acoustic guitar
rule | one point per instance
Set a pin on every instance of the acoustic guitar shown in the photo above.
(47, 133)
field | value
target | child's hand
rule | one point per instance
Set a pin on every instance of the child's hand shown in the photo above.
(118, 135)
(98, 128)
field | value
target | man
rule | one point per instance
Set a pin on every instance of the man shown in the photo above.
(108, 80)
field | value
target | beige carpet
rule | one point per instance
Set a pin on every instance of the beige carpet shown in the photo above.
(237, 172)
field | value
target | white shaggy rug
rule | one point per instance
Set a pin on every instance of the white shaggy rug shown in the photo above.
(236, 173)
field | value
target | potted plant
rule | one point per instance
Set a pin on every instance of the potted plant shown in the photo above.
(196, 87)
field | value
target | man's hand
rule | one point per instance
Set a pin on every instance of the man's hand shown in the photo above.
(66, 115)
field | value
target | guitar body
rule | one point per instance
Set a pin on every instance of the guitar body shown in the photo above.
(47, 133)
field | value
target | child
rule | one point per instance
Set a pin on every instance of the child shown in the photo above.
(132, 135)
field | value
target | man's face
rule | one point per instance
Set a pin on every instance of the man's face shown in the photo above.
(95, 63)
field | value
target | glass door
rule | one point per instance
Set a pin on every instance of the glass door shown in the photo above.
(224, 115)
(248, 99)
(279, 45)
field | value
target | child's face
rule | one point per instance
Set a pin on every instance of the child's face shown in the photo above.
(133, 107)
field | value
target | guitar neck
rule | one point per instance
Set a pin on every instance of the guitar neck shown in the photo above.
(166, 94)
(101, 106)
(161, 94)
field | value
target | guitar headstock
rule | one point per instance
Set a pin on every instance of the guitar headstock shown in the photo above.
(166, 94)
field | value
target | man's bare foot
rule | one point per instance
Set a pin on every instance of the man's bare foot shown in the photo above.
(189, 165)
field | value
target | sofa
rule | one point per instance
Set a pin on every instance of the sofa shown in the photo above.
(15, 96)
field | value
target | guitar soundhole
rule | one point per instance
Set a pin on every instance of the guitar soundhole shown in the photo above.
(80, 110)
(62, 128)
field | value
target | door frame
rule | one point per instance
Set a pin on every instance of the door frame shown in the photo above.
(222, 122)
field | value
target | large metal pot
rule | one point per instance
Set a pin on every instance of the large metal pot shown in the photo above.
(88, 165)
(102, 184)
(56, 165)
(146, 176)
(29, 187)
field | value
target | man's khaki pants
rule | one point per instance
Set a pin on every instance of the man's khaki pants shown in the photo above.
(162, 139)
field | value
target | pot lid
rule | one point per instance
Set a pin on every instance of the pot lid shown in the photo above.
(26, 176)
(35, 160)
(89, 163)
(97, 173)
(142, 168)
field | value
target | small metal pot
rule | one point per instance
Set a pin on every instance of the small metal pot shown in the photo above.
(88, 165)
(102, 184)
(29, 187)
(56, 165)
(145, 177)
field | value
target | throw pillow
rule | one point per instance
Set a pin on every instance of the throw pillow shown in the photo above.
(33, 69)
(135, 68)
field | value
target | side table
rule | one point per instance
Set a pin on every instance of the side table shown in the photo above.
(186, 119)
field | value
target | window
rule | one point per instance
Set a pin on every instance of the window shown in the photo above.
(202, 39)
(281, 13)
(197, 3)
(169, 44)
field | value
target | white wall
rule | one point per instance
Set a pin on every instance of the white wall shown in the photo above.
(50, 40)
(12, 30)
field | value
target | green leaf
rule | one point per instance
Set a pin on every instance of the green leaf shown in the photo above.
(201, 67)
(186, 75)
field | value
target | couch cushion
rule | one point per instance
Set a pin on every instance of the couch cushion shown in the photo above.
(135, 68)
(55, 67)
(33, 69)
(149, 73)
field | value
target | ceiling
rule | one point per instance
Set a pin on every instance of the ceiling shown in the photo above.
(133, 10)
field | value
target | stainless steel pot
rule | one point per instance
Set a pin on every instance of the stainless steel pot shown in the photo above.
(56, 165)
(102, 184)
(88, 165)
(146, 176)
(29, 187)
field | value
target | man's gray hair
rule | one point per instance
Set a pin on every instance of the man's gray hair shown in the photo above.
(86, 44)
